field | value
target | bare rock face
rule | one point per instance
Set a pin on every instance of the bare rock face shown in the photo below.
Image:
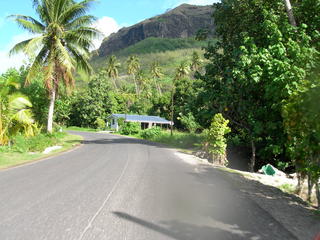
(181, 22)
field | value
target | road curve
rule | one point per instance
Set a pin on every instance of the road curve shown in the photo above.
(120, 188)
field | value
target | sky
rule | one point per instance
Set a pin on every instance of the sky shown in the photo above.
(111, 16)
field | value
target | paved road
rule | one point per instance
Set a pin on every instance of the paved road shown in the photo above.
(120, 188)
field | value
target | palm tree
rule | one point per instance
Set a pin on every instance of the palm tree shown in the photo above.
(113, 69)
(15, 112)
(181, 72)
(144, 84)
(156, 73)
(133, 66)
(62, 42)
(196, 61)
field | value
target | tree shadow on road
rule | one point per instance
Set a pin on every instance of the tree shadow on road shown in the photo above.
(186, 231)
(106, 140)
(288, 209)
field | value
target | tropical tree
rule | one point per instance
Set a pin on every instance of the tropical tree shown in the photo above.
(113, 69)
(181, 72)
(133, 67)
(196, 61)
(15, 110)
(144, 84)
(250, 76)
(156, 73)
(63, 38)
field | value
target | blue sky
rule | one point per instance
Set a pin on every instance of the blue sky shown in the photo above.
(111, 14)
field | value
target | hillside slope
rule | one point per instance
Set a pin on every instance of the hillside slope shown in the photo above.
(181, 22)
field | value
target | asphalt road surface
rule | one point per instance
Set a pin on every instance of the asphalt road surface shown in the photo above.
(126, 189)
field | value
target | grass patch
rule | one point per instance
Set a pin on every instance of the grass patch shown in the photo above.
(11, 157)
(229, 170)
(186, 142)
(288, 188)
(179, 139)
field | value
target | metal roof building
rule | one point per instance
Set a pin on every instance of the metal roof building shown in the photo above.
(146, 121)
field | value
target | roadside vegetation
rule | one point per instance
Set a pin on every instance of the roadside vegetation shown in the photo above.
(62, 38)
(31, 149)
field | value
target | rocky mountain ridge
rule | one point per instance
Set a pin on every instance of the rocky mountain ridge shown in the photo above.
(181, 22)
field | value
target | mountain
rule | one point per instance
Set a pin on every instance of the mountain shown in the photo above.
(181, 22)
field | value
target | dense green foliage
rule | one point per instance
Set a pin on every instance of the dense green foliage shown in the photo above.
(189, 122)
(178, 139)
(263, 64)
(151, 133)
(154, 45)
(15, 109)
(130, 128)
(36, 143)
(264, 78)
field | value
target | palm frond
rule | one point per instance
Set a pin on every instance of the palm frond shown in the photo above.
(28, 23)
(78, 40)
(33, 45)
(49, 72)
(24, 116)
(63, 56)
(80, 58)
(86, 20)
(37, 64)
(75, 11)
(19, 47)
(88, 33)
(19, 101)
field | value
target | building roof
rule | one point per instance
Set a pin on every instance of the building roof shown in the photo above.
(141, 118)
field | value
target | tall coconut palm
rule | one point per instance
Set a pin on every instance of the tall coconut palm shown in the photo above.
(144, 84)
(181, 72)
(196, 61)
(156, 73)
(15, 112)
(133, 67)
(113, 69)
(63, 37)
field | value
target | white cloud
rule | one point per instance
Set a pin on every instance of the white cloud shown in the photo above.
(16, 60)
(106, 25)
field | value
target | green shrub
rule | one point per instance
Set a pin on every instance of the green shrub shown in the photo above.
(100, 124)
(37, 143)
(151, 133)
(189, 122)
(215, 142)
(130, 128)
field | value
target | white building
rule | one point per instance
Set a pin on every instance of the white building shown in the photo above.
(146, 121)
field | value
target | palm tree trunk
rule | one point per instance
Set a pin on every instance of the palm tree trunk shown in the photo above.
(172, 110)
(136, 85)
(115, 84)
(292, 19)
(51, 108)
